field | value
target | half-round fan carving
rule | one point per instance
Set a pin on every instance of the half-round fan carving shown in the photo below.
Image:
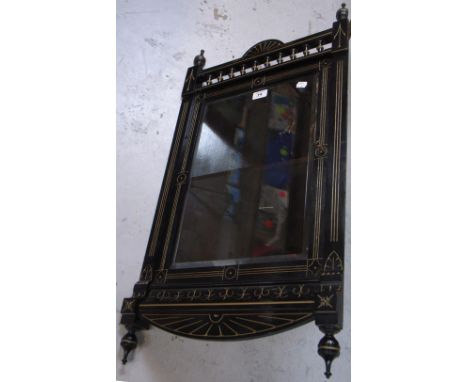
(225, 325)
(262, 47)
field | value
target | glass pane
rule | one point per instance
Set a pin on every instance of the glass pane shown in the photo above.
(247, 189)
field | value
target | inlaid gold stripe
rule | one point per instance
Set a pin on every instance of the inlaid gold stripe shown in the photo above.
(332, 217)
(189, 275)
(339, 150)
(188, 325)
(229, 327)
(171, 317)
(320, 205)
(171, 222)
(321, 139)
(298, 267)
(208, 330)
(334, 226)
(324, 104)
(274, 317)
(329, 347)
(174, 315)
(175, 277)
(314, 126)
(339, 153)
(192, 131)
(242, 325)
(256, 322)
(200, 327)
(323, 120)
(197, 273)
(249, 273)
(166, 325)
(335, 163)
(175, 322)
(232, 303)
(179, 186)
(273, 268)
(318, 208)
(168, 179)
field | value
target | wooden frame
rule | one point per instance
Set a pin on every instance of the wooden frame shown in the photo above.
(238, 301)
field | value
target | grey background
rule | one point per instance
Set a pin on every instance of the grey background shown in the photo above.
(156, 42)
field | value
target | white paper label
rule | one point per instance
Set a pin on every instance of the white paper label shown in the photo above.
(301, 84)
(260, 94)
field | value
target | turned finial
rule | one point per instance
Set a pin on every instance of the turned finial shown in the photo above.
(128, 343)
(200, 60)
(328, 349)
(342, 13)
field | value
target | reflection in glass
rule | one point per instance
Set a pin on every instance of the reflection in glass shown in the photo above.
(247, 190)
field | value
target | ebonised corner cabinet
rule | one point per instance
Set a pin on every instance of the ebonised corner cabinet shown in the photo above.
(248, 235)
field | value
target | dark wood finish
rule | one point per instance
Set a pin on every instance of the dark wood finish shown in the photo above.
(248, 300)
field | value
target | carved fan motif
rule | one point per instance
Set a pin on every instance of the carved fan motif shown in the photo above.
(224, 325)
(262, 46)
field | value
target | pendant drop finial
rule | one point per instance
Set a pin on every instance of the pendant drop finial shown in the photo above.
(328, 348)
(129, 342)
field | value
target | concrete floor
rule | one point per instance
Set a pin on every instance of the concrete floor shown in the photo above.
(156, 42)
